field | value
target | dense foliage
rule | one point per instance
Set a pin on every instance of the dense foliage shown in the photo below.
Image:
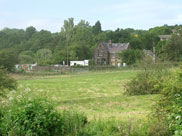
(168, 109)
(173, 49)
(146, 81)
(167, 115)
(130, 56)
(27, 115)
(6, 82)
(77, 42)
(8, 59)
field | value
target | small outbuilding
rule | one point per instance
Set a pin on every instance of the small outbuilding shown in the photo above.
(79, 63)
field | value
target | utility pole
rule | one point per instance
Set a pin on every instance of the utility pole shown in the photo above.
(67, 49)
(67, 54)
(154, 57)
(68, 29)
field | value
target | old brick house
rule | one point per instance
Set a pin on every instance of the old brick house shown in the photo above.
(108, 53)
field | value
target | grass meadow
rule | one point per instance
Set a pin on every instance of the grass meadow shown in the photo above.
(100, 95)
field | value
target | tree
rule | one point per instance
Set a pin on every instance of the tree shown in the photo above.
(59, 56)
(159, 50)
(148, 40)
(8, 59)
(67, 30)
(42, 39)
(130, 56)
(97, 28)
(29, 32)
(136, 43)
(43, 57)
(26, 57)
(10, 37)
(173, 48)
(163, 30)
(82, 41)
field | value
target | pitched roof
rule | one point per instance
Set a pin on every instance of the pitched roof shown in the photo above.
(116, 47)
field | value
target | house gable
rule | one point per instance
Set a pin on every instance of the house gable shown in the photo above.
(101, 54)
(107, 53)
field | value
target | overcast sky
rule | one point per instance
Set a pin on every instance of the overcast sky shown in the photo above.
(50, 14)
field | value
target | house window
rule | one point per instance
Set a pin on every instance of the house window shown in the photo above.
(113, 55)
(98, 61)
(100, 53)
(101, 61)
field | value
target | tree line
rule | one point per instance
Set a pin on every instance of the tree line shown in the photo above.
(78, 41)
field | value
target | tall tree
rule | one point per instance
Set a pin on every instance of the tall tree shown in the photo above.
(29, 32)
(43, 57)
(8, 59)
(173, 49)
(97, 28)
(67, 30)
(26, 57)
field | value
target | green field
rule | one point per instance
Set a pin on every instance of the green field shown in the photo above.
(98, 94)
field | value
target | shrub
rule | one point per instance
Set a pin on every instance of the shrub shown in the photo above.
(169, 106)
(146, 81)
(27, 115)
(32, 117)
(6, 82)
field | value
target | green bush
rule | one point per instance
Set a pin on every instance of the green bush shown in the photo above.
(32, 117)
(170, 104)
(146, 81)
(6, 82)
(24, 115)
